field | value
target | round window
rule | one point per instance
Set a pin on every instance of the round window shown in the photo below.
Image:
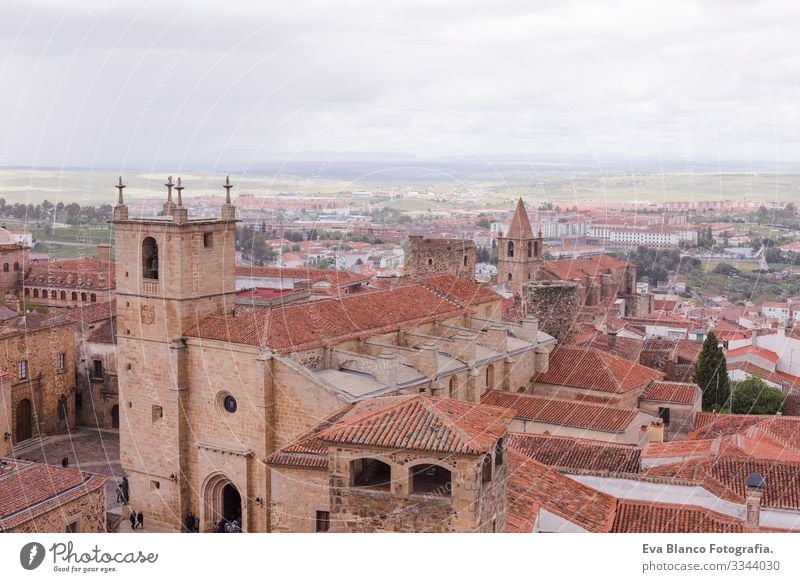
(229, 403)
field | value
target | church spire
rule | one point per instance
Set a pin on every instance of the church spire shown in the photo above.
(520, 227)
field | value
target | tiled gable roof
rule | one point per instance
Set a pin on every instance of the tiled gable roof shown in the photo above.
(422, 423)
(563, 412)
(303, 326)
(530, 485)
(755, 351)
(654, 517)
(570, 453)
(458, 288)
(566, 269)
(28, 489)
(595, 370)
(93, 312)
(675, 392)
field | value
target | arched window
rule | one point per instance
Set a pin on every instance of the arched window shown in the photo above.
(453, 387)
(530, 249)
(63, 296)
(430, 262)
(510, 248)
(35, 292)
(83, 297)
(487, 469)
(466, 260)
(27, 291)
(53, 294)
(5, 267)
(149, 258)
(16, 266)
(489, 376)
(431, 479)
(509, 276)
(370, 473)
(498, 453)
(44, 293)
(74, 295)
(93, 297)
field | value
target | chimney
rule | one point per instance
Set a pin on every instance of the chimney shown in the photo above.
(428, 359)
(612, 339)
(104, 252)
(464, 349)
(754, 491)
(386, 371)
(657, 431)
(530, 330)
(497, 336)
(754, 337)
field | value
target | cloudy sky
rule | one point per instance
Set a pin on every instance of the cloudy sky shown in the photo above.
(152, 83)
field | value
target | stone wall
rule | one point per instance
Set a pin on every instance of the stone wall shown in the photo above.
(297, 495)
(428, 256)
(46, 385)
(88, 512)
(681, 417)
(555, 304)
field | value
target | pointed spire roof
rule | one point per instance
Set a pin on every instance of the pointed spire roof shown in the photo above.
(520, 227)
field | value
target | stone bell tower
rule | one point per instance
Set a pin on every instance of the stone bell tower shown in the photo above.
(170, 271)
(520, 253)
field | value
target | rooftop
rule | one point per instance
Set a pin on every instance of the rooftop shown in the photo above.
(675, 392)
(569, 453)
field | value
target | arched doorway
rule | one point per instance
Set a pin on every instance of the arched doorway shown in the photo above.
(231, 503)
(24, 420)
(115, 416)
(222, 502)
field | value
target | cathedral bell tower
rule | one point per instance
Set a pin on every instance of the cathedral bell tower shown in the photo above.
(520, 253)
(171, 270)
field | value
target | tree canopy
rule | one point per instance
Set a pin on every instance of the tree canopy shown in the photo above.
(711, 374)
(755, 396)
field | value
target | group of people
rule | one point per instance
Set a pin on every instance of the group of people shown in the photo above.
(136, 519)
(232, 526)
(191, 524)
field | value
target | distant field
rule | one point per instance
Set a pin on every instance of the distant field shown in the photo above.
(97, 186)
(59, 251)
(745, 266)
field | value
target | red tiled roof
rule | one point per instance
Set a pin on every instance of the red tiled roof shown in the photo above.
(592, 369)
(780, 378)
(755, 350)
(422, 423)
(94, 312)
(711, 425)
(676, 392)
(566, 269)
(459, 288)
(695, 448)
(530, 485)
(303, 326)
(520, 226)
(655, 517)
(85, 273)
(563, 412)
(28, 490)
(566, 453)
(333, 276)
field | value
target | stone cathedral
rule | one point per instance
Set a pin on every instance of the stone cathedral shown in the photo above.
(209, 390)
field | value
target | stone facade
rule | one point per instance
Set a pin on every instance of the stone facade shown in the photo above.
(86, 514)
(428, 256)
(97, 398)
(39, 353)
(555, 305)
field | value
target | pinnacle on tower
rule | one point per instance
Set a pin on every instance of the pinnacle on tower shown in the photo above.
(227, 187)
(120, 187)
(169, 186)
(179, 188)
(520, 227)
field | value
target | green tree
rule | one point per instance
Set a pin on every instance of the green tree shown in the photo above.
(754, 396)
(711, 374)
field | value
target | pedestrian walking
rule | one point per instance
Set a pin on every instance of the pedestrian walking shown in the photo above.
(140, 520)
(133, 519)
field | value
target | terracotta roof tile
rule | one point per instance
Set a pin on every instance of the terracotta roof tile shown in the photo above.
(28, 489)
(94, 312)
(563, 412)
(422, 423)
(675, 392)
(458, 288)
(654, 517)
(570, 453)
(595, 370)
(530, 485)
(754, 350)
(303, 326)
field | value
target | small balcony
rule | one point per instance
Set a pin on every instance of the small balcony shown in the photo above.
(150, 287)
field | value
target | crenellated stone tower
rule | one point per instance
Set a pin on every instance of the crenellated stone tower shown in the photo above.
(519, 252)
(170, 271)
